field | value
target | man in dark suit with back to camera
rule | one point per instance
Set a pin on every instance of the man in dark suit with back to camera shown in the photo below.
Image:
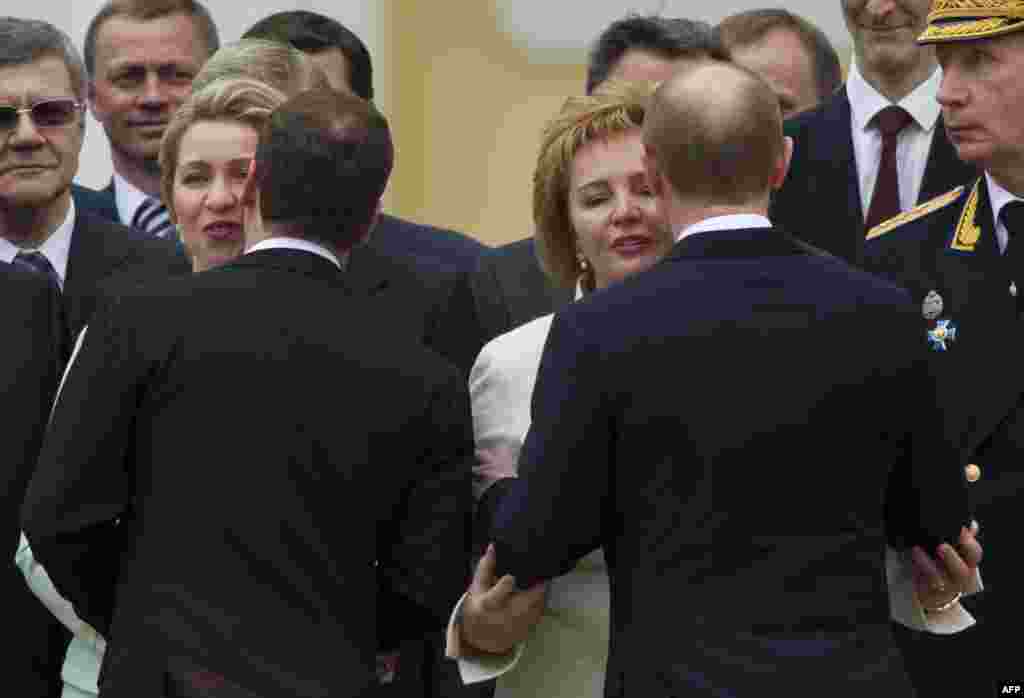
(961, 261)
(659, 425)
(303, 492)
(878, 146)
(141, 56)
(509, 286)
(404, 264)
(30, 366)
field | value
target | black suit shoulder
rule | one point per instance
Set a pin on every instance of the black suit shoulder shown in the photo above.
(426, 243)
(510, 288)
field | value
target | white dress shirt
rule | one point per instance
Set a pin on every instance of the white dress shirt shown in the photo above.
(734, 221)
(999, 196)
(912, 146)
(55, 248)
(282, 242)
(127, 198)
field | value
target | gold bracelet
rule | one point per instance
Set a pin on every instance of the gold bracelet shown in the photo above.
(946, 606)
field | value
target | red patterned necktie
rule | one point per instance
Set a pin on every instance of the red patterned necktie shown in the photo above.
(885, 202)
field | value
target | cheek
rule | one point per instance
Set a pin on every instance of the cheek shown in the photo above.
(187, 205)
(590, 227)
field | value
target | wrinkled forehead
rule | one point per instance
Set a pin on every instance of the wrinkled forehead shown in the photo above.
(44, 78)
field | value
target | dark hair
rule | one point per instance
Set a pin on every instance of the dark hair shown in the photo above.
(746, 28)
(661, 36)
(144, 10)
(718, 146)
(27, 40)
(312, 33)
(322, 164)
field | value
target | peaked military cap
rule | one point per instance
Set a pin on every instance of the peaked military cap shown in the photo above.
(966, 20)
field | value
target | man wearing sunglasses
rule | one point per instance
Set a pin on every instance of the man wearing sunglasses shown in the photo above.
(81, 257)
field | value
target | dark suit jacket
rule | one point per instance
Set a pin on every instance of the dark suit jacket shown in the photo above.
(109, 258)
(30, 367)
(735, 479)
(400, 238)
(980, 379)
(821, 195)
(510, 289)
(425, 302)
(247, 474)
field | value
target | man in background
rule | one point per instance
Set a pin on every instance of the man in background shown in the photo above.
(141, 56)
(792, 55)
(878, 146)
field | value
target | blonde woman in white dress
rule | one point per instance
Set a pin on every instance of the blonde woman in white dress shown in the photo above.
(596, 224)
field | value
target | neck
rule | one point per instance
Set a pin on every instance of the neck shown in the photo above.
(895, 87)
(144, 175)
(29, 227)
(682, 214)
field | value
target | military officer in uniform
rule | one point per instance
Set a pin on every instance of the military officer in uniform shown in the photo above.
(961, 256)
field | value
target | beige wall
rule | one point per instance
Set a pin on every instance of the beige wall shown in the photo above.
(466, 109)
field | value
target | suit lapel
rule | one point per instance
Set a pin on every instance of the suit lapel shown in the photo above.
(94, 254)
(841, 170)
(944, 170)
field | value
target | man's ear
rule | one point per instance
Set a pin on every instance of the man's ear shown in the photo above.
(250, 188)
(654, 180)
(782, 165)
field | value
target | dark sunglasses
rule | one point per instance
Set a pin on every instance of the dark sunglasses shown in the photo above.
(52, 112)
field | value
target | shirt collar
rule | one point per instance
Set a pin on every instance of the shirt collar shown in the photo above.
(866, 101)
(288, 243)
(998, 196)
(55, 248)
(735, 221)
(128, 198)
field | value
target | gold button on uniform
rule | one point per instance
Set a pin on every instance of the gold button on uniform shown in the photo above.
(972, 472)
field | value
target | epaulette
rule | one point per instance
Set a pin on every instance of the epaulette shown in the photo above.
(914, 213)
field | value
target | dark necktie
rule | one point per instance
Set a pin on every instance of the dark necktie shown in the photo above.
(37, 263)
(152, 217)
(1012, 217)
(885, 202)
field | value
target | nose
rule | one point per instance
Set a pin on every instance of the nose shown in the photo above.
(627, 209)
(152, 93)
(952, 90)
(25, 134)
(222, 196)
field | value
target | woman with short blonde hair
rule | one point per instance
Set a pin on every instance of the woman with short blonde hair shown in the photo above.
(204, 159)
(614, 108)
(597, 222)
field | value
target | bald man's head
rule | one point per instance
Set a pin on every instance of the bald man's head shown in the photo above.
(714, 133)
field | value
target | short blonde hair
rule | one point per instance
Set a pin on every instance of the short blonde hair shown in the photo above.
(278, 64)
(241, 100)
(614, 107)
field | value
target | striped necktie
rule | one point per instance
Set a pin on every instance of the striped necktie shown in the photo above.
(37, 263)
(152, 217)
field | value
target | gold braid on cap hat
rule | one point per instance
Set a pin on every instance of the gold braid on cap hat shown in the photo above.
(952, 20)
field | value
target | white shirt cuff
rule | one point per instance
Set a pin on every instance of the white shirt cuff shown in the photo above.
(474, 666)
(907, 610)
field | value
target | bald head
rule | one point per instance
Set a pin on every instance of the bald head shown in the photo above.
(714, 133)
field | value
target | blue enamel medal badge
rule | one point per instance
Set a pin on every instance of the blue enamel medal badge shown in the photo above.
(941, 335)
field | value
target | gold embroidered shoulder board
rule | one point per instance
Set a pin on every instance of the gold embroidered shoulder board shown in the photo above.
(915, 213)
